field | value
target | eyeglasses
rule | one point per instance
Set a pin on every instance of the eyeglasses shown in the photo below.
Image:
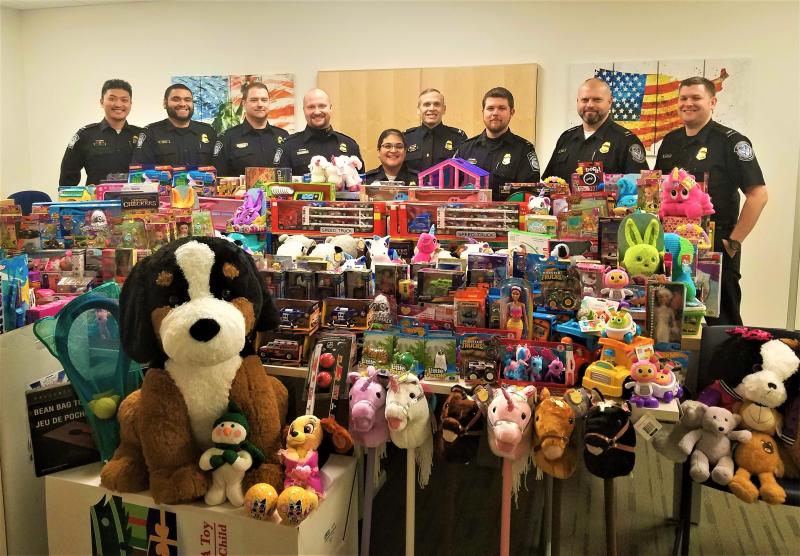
(395, 146)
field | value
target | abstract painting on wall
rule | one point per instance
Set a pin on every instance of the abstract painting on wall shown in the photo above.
(646, 93)
(218, 98)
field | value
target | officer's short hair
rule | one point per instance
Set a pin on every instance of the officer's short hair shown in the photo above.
(116, 84)
(698, 80)
(391, 131)
(429, 90)
(176, 86)
(498, 92)
(253, 85)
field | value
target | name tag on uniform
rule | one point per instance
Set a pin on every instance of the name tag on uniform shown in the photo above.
(561, 151)
(241, 145)
(164, 141)
(99, 143)
(302, 151)
(666, 155)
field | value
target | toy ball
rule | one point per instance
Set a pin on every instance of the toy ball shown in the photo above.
(324, 379)
(326, 360)
(295, 503)
(105, 407)
(260, 501)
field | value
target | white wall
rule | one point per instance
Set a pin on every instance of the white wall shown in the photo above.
(14, 167)
(75, 49)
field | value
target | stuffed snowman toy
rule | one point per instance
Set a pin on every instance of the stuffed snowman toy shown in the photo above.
(230, 457)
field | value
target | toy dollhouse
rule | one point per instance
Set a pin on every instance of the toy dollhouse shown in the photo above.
(454, 173)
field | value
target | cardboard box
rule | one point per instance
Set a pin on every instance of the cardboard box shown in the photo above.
(200, 529)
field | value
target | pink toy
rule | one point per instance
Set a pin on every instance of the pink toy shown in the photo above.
(454, 173)
(348, 168)
(368, 426)
(644, 375)
(509, 415)
(615, 280)
(427, 247)
(539, 204)
(680, 196)
(555, 371)
(318, 167)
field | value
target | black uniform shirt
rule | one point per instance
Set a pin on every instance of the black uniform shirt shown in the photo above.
(405, 175)
(726, 155)
(510, 159)
(100, 150)
(426, 147)
(161, 143)
(298, 149)
(619, 149)
(242, 146)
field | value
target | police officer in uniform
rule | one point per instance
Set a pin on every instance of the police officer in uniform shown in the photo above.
(102, 148)
(598, 138)
(702, 146)
(431, 142)
(253, 142)
(509, 157)
(392, 155)
(318, 138)
(178, 140)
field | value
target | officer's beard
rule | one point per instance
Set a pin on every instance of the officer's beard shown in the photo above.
(172, 113)
(593, 118)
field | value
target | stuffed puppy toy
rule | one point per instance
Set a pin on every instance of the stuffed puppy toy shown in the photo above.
(190, 310)
(765, 388)
(295, 245)
(331, 253)
(350, 245)
(710, 445)
(230, 457)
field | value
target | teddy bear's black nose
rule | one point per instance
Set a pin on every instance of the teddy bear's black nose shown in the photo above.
(204, 329)
(772, 385)
(721, 429)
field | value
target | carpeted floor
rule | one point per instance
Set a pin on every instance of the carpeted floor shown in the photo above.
(458, 513)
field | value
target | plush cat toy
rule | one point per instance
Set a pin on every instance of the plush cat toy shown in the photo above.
(229, 458)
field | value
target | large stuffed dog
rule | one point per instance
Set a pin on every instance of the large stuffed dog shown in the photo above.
(190, 310)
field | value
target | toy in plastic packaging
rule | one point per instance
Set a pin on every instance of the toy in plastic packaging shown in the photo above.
(201, 223)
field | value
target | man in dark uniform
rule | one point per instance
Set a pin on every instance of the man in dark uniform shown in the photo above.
(176, 141)
(253, 142)
(702, 146)
(431, 142)
(318, 138)
(509, 157)
(599, 138)
(105, 147)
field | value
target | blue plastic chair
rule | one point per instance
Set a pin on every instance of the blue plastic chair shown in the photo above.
(25, 199)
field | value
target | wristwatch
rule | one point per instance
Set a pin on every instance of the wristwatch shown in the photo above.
(734, 245)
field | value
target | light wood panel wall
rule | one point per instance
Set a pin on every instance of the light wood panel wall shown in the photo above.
(365, 102)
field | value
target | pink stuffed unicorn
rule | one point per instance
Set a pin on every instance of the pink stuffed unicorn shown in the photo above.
(509, 414)
(680, 196)
(427, 247)
(368, 426)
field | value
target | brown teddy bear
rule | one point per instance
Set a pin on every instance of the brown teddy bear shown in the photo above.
(759, 456)
(190, 310)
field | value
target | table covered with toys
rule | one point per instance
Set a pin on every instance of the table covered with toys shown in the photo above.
(550, 318)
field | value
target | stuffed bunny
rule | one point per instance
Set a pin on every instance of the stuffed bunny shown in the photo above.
(642, 257)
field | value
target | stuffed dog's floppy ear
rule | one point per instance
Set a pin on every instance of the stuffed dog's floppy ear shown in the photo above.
(135, 324)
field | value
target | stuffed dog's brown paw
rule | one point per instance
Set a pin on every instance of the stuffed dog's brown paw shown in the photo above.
(269, 473)
(185, 484)
(125, 474)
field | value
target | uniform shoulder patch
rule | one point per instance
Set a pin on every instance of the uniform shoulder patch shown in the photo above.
(744, 150)
(74, 140)
(637, 152)
(139, 143)
(217, 148)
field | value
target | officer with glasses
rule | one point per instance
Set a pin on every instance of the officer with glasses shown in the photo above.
(392, 155)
